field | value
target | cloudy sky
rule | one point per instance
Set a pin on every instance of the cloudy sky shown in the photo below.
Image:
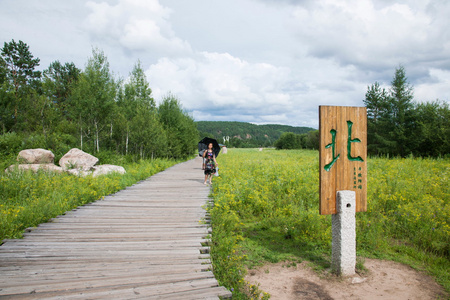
(259, 61)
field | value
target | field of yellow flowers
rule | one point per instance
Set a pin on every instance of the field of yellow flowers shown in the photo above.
(27, 199)
(266, 208)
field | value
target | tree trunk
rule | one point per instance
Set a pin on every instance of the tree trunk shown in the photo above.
(81, 138)
(126, 143)
(96, 138)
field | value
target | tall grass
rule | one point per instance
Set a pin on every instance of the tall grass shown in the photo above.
(267, 210)
(28, 199)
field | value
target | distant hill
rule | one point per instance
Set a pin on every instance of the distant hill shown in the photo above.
(243, 134)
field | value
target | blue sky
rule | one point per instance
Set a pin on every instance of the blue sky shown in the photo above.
(259, 61)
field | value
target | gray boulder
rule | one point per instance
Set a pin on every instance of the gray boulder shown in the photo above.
(36, 156)
(35, 168)
(97, 171)
(78, 172)
(75, 162)
(107, 169)
(77, 159)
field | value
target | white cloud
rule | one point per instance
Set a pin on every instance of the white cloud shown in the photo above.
(359, 33)
(220, 82)
(219, 86)
(437, 88)
(261, 61)
(135, 25)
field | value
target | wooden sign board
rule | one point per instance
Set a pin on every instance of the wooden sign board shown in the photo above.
(343, 155)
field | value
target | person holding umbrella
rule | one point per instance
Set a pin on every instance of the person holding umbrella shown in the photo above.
(210, 163)
(204, 144)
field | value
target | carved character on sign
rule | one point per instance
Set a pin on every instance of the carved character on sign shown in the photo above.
(333, 133)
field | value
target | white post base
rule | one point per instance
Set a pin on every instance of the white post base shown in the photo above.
(343, 253)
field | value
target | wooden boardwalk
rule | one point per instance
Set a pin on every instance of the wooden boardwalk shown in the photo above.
(145, 242)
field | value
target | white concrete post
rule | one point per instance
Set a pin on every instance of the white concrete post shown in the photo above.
(343, 252)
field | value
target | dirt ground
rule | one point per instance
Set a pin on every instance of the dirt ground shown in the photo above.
(384, 280)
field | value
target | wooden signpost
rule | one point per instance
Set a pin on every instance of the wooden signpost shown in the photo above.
(343, 178)
(343, 155)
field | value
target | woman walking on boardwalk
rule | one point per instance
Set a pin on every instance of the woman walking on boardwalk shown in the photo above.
(210, 163)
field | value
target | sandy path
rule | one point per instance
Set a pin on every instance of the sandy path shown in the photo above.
(384, 280)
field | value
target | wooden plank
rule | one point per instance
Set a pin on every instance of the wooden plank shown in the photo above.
(160, 231)
(343, 155)
(146, 241)
(192, 242)
(99, 271)
(105, 281)
(55, 263)
(178, 290)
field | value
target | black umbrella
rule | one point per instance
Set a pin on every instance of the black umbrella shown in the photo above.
(203, 145)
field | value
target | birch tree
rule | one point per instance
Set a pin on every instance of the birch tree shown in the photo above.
(93, 98)
(135, 98)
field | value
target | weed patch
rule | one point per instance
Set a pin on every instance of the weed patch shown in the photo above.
(266, 209)
(28, 199)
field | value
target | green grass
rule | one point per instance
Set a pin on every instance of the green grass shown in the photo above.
(267, 210)
(28, 199)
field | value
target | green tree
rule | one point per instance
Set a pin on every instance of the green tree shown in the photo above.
(135, 98)
(58, 81)
(6, 99)
(138, 89)
(433, 129)
(3, 71)
(391, 126)
(246, 135)
(378, 119)
(181, 130)
(93, 99)
(148, 135)
(313, 140)
(19, 80)
(402, 113)
(288, 140)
